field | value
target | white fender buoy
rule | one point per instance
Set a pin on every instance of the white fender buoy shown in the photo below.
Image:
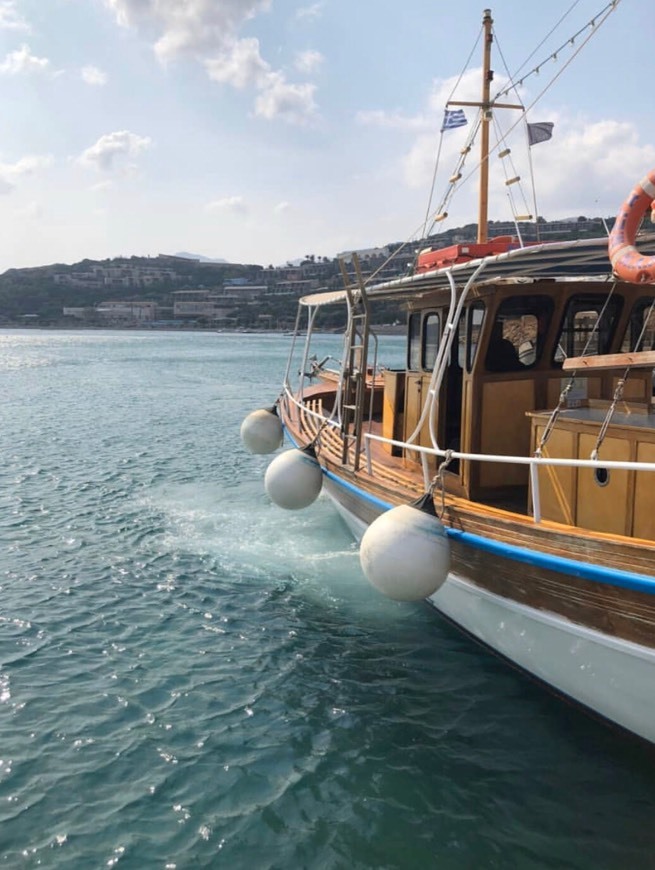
(261, 431)
(294, 479)
(405, 552)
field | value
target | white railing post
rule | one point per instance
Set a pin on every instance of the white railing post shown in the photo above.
(534, 487)
(424, 452)
(426, 471)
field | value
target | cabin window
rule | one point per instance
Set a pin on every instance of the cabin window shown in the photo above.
(473, 330)
(414, 342)
(431, 335)
(588, 326)
(519, 333)
(640, 334)
(459, 343)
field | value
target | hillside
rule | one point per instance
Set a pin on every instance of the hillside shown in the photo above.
(186, 290)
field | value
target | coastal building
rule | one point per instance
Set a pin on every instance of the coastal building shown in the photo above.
(128, 310)
(201, 305)
(242, 288)
(115, 274)
(76, 312)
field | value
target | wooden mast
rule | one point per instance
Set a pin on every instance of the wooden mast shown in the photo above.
(486, 106)
(485, 109)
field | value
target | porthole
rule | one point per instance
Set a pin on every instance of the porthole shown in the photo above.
(601, 476)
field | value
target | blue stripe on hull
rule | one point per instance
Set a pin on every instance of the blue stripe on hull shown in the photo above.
(584, 570)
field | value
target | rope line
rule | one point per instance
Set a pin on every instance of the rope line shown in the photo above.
(550, 425)
(620, 387)
(438, 481)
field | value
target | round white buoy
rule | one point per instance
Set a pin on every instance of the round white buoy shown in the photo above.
(405, 552)
(294, 479)
(261, 431)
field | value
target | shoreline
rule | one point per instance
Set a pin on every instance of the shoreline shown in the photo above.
(384, 329)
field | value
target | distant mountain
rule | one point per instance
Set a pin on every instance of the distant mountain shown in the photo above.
(188, 256)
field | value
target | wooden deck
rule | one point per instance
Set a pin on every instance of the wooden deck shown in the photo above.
(394, 471)
(397, 480)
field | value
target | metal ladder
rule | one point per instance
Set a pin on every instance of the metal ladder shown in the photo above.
(353, 374)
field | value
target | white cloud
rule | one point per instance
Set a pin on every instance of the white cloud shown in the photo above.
(10, 173)
(393, 120)
(241, 65)
(92, 75)
(418, 163)
(281, 207)
(32, 211)
(588, 166)
(232, 204)
(23, 61)
(113, 148)
(10, 17)
(207, 30)
(197, 27)
(279, 99)
(429, 119)
(308, 61)
(310, 12)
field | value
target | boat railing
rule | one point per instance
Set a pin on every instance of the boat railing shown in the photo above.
(533, 462)
(300, 405)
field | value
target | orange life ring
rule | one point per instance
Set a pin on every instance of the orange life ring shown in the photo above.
(626, 260)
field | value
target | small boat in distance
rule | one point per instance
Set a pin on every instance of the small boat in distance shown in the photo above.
(504, 472)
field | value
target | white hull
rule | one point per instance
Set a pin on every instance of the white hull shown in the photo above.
(613, 677)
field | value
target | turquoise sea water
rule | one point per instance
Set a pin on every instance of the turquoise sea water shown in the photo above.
(191, 677)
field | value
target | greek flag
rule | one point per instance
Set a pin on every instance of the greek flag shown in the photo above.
(453, 118)
(541, 132)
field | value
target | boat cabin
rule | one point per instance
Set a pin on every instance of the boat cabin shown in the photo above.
(506, 374)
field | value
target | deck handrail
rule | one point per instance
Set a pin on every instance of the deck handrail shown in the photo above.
(532, 461)
(504, 458)
(519, 460)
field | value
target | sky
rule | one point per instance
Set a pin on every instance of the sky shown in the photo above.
(261, 131)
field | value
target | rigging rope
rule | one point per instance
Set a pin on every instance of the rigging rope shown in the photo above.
(457, 174)
(501, 139)
(543, 41)
(436, 164)
(438, 481)
(605, 13)
(592, 25)
(620, 386)
(595, 25)
(550, 425)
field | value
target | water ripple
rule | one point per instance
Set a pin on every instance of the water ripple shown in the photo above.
(190, 677)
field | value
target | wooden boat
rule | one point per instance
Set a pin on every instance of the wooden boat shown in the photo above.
(525, 413)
